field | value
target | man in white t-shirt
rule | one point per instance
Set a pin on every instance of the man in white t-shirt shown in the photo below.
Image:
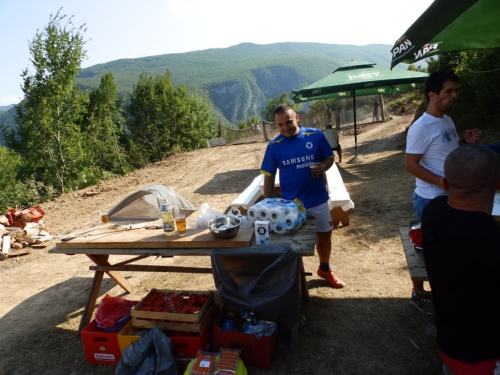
(332, 137)
(432, 137)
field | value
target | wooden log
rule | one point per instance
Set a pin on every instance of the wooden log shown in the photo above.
(15, 253)
(17, 246)
(21, 237)
(6, 244)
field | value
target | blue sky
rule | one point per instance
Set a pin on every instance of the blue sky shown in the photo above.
(129, 28)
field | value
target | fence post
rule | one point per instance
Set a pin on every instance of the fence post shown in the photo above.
(264, 132)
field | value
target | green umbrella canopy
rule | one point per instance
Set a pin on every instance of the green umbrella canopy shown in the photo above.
(450, 25)
(360, 78)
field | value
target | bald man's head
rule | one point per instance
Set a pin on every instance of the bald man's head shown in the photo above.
(472, 168)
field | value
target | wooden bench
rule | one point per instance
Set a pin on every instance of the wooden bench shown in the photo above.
(221, 141)
(249, 196)
(416, 265)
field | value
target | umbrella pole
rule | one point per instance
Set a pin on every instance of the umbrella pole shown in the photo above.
(356, 158)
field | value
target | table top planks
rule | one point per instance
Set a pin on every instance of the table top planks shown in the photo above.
(197, 242)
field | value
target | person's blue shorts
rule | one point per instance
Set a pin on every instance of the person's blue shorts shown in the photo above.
(419, 204)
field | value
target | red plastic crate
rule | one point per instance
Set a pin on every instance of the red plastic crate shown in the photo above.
(254, 351)
(100, 347)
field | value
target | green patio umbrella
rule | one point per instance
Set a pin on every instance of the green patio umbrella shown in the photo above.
(360, 78)
(450, 25)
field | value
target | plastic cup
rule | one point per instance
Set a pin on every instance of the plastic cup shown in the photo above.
(104, 216)
(313, 167)
(180, 223)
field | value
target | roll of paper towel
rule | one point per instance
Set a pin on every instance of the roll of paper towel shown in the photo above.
(253, 214)
(263, 213)
(278, 228)
(278, 213)
(290, 220)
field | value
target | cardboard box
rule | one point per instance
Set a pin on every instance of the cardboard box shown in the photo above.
(100, 347)
(254, 351)
(172, 321)
(262, 232)
(185, 348)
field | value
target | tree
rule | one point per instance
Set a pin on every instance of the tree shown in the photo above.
(323, 103)
(163, 119)
(418, 68)
(272, 104)
(48, 135)
(103, 129)
(12, 191)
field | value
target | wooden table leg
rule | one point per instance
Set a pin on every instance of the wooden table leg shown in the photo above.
(304, 292)
(90, 305)
(102, 260)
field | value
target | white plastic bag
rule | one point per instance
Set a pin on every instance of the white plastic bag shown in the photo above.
(206, 214)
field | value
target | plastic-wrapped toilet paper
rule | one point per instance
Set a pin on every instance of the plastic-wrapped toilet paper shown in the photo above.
(278, 228)
(290, 220)
(253, 214)
(285, 216)
(278, 213)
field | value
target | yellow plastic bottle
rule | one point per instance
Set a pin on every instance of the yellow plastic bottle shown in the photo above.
(167, 218)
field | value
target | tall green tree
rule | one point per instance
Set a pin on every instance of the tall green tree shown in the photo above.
(103, 129)
(323, 103)
(13, 192)
(272, 104)
(48, 135)
(163, 119)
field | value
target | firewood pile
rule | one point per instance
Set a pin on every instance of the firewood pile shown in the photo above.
(21, 231)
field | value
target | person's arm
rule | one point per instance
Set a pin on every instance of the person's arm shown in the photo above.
(268, 186)
(471, 136)
(412, 166)
(327, 164)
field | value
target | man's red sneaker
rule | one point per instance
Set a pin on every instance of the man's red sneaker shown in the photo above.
(331, 278)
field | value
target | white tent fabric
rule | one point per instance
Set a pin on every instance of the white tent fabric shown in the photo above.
(145, 204)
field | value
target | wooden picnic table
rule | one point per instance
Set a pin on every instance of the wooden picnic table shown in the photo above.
(140, 244)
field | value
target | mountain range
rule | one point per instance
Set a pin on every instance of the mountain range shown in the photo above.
(238, 79)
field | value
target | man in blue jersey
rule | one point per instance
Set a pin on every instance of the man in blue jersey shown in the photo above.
(292, 152)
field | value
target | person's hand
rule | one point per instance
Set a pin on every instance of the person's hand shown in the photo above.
(473, 135)
(316, 169)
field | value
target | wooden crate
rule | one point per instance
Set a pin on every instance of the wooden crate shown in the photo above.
(173, 321)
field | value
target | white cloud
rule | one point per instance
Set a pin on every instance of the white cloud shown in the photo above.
(1, 69)
(10, 99)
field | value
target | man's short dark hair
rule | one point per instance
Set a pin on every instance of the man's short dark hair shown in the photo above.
(435, 82)
(473, 168)
(283, 108)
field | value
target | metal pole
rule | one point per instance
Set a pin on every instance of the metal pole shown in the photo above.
(355, 129)
(356, 158)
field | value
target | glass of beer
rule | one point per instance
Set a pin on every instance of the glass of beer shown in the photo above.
(104, 216)
(180, 223)
(313, 167)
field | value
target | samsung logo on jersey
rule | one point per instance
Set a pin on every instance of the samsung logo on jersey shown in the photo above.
(299, 161)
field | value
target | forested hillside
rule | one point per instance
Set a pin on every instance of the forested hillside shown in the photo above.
(239, 79)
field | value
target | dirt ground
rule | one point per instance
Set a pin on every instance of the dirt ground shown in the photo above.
(369, 327)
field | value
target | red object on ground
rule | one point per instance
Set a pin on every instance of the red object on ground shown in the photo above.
(112, 309)
(19, 218)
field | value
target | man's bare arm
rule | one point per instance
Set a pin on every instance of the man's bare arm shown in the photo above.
(413, 166)
(327, 164)
(268, 186)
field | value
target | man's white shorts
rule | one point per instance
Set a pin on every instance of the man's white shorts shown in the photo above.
(323, 217)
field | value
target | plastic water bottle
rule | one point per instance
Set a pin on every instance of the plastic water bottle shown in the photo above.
(167, 218)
